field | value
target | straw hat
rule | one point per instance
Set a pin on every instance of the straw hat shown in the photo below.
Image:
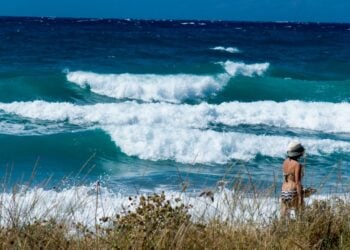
(295, 149)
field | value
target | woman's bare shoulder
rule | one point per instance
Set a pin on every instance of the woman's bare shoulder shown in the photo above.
(290, 163)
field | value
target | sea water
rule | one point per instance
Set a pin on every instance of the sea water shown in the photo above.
(147, 106)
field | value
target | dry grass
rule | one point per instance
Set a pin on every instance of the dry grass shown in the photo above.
(156, 224)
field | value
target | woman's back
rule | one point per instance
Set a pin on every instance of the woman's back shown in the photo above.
(291, 168)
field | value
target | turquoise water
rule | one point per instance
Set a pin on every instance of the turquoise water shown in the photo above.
(149, 105)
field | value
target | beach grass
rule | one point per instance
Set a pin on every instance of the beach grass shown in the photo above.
(240, 217)
(156, 222)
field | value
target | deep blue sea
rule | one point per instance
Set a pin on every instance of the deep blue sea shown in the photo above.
(150, 105)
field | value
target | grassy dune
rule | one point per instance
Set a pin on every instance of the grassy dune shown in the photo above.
(156, 223)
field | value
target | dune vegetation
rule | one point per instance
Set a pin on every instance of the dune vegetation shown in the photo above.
(156, 223)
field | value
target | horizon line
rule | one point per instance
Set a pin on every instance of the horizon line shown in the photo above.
(179, 19)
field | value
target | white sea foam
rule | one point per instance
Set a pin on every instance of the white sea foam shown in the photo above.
(169, 88)
(188, 23)
(78, 205)
(159, 131)
(73, 205)
(11, 128)
(239, 68)
(317, 116)
(193, 145)
(227, 49)
(150, 87)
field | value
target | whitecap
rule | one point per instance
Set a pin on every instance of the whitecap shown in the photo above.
(182, 133)
(168, 88)
(208, 147)
(188, 23)
(226, 49)
(315, 116)
(239, 68)
(150, 87)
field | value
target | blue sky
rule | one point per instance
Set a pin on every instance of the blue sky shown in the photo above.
(250, 10)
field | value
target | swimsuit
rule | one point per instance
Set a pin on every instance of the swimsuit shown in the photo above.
(288, 195)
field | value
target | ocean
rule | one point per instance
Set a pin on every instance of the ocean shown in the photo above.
(142, 106)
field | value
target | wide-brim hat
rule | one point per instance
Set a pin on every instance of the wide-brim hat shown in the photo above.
(295, 149)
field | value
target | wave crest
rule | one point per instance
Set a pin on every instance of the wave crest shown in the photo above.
(238, 68)
(167, 88)
(183, 133)
(150, 87)
(325, 117)
(227, 49)
(208, 147)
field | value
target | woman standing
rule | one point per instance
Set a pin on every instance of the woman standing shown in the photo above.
(292, 189)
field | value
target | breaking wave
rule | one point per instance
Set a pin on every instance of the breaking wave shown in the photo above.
(168, 88)
(317, 116)
(209, 147)
(149, 87)
(239, 68)
(182, 133)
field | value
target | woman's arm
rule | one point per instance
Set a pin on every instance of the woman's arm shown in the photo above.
(298, 184)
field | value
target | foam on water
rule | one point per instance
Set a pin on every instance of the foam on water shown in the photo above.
(182, 133)
(149, 87)
(239, 68)
(78, 205)
(169, 88)
(11, 128)
(227, 49)
(188, 23)
(317, 116)
(198, 146)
